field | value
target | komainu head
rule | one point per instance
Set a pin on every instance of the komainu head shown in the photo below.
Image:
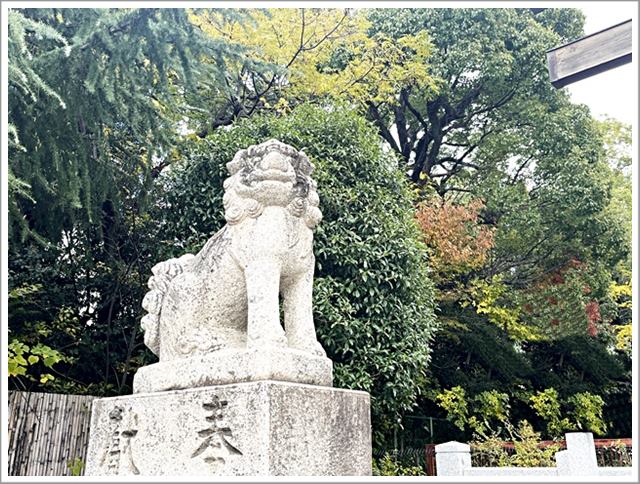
(270, 174)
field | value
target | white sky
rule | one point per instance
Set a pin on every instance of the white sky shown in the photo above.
(614, 92)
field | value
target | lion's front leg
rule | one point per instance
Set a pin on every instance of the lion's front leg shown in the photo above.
(298, 313)
(263, 318)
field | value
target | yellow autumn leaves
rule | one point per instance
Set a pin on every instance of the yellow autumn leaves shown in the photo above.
(325, 53)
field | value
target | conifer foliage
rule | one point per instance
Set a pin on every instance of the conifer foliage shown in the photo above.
(95, 95)
(95, 99)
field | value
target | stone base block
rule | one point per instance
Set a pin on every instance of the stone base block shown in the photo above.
(235, 366)
(262, 428)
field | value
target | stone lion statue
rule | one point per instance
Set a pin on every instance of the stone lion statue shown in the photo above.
(227, 295)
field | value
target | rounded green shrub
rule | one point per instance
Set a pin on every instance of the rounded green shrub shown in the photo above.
(373, 299)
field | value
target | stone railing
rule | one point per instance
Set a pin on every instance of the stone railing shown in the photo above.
(454, 459)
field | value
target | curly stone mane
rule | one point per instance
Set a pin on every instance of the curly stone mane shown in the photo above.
(242, 170)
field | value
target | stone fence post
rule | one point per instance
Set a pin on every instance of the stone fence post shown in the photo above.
(580, 457)
(452, 458)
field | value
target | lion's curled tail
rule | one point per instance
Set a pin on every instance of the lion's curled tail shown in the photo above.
(158, 284)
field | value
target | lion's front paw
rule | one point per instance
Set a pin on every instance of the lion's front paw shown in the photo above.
(318, 350)
(263, 341)
(313, 347)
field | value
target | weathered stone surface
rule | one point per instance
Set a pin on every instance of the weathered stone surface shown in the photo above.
(580, 457)
(452, 458)
(231, 366)
(227, 297)
(247, 429)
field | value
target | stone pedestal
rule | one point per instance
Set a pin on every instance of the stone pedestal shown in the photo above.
(235, 366)
(264, 428)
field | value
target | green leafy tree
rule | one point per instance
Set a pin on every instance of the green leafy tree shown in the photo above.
(487, 68)
(547, 405)
(495, 130)
(26, 87)
(617, 143)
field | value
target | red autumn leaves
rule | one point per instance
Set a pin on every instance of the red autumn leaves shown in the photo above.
(459, 243)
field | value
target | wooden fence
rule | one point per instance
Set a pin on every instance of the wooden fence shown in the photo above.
(48, 433)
